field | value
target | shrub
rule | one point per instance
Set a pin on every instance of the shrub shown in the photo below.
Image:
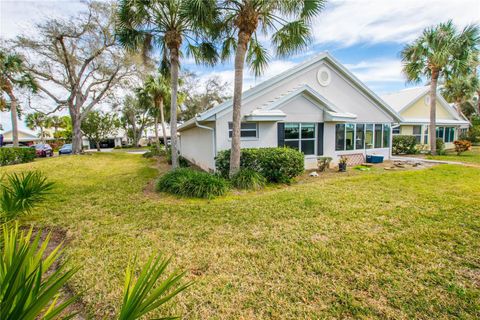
(182, 162)
(191, 183)
(440, 146)
(462, 146)
(22, 193)
(275, 164)
(10, 156)
(323, 163)
(248, 179)
(30, 284)
(403, 144)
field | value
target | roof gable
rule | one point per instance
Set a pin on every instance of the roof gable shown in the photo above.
(326, 57)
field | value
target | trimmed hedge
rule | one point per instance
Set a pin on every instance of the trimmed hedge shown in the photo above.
(191, 183)
(278, 165)
(403, 144)
(10, 156)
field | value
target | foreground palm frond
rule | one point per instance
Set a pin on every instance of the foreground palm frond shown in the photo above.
(22, 193)
(145, 294)
(29, 287)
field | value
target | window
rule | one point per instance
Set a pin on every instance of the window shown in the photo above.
(247, 130)
(340, 137)
(300, 136)
(369, 136)
(417, 133)
(386, 135)
(440, 132)
(425, 135)
(449, 134)
(378, 136)
(349, 136)
(396, 130)
(360, 136)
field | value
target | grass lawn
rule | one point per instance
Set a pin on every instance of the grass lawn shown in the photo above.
(472, 156)
(397, 245)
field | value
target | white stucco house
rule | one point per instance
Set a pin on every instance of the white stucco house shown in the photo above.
(318, 107)
(413, 105)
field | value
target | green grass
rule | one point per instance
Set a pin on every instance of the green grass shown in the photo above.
(398, 245)
(472, 156)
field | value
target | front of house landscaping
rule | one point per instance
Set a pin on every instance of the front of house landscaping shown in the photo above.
(373, 244)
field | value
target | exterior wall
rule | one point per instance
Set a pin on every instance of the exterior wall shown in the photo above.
(196, 145)
(408, 130)
(420, 110)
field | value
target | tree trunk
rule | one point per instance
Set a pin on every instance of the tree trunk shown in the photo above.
(97, 143)
(13, 113)
(173, 107)
(162, 119)
(157, 140)
(433, 112)
(77, 132)
(42, 135)
(243, 39)
(478, 102)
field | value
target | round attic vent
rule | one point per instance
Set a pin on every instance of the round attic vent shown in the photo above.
(427, 100)
(324, 77)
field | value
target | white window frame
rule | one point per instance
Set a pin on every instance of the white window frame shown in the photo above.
(300, 139)
(364, 136)
(244, 138)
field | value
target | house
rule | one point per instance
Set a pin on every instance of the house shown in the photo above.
(26, 138)
(413, 105)
(318, 107)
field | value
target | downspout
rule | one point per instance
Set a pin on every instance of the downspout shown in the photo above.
(213, 138)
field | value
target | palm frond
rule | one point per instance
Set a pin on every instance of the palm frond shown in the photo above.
(291, 38)
(257, 57)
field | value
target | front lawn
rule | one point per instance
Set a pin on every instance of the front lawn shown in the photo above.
(472, 156)
(398, 245)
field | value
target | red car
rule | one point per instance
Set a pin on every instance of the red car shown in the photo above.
(43, 150)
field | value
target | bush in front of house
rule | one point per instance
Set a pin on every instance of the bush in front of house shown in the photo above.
(10, 156)
(440, 146)
(191, 183)
(278, 165)
(403, 144)
(248, 179)
(462, 146)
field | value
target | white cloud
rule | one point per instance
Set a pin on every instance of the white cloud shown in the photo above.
(374, 21)
(380, 70)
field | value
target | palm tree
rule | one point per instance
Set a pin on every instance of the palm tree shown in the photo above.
(37, 120)
(158, 87)
(441, 52)
(288, 24)
(164, 24)
(13, 74)
(56, 123)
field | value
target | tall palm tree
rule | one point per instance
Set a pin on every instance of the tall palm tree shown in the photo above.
(13, 75)
(164, 24)
(158, 87)
(441, 52)
(37, 120)
(286, 22)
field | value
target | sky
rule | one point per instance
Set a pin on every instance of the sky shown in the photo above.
(365, 35)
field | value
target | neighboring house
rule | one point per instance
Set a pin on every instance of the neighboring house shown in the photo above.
(317, 107)
(25, 138)
(413, 105)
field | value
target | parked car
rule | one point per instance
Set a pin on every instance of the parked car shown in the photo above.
(43, 150)
(65, 149)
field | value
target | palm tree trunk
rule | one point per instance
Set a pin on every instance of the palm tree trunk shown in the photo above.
(433, 112)
(97, 143)
(162, 119)
(478, 102)
(173, 107)
(243, 39)
(155, 128)
(42, 135)
(13, 113)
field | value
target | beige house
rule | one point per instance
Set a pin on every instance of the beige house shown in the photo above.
(24, 137)
(413, 105)
(318, 107)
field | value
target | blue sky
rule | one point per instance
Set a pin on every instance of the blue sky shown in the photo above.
(365, 35)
